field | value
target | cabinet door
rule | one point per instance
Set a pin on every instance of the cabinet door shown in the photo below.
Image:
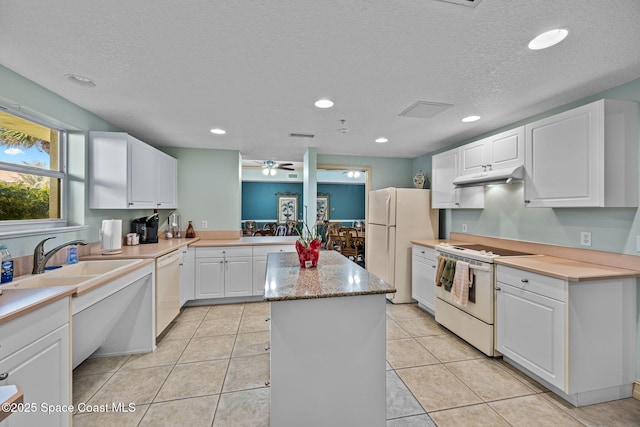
(562, 159)
(187, 275)
(41, 369)
(531, 331)
(473, 158)
(209, 278)
(259, 274)
(469, 197)
(167, 181)
(505, 149)
(142, 168)
(108, 170)
(423, 273)
(445, 168)
(239, 280)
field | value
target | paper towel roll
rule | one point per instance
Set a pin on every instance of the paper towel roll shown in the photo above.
(111, 241)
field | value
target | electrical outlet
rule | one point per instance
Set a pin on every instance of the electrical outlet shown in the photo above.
(205, 225)
(464, 228)
(585, 238)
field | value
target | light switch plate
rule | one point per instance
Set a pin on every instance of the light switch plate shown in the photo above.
(585, 238)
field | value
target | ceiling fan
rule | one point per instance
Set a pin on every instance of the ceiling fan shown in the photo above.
(269, 167)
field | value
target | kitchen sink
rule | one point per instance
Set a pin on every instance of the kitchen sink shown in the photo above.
(92, 268)
(45, 281)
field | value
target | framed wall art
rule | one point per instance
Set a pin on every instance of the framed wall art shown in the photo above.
(287, 205)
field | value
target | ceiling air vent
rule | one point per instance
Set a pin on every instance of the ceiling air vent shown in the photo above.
(301, 135)
(469, 3)
(424, 109)
(292, 175)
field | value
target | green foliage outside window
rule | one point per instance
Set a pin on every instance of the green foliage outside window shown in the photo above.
(24, 202)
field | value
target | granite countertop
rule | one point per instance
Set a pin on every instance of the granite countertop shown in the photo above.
(247, 241)
(17, 302)
(148, 250)
(335, 276)
(566, 269)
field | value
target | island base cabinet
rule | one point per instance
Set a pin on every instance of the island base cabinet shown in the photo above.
(328, 362)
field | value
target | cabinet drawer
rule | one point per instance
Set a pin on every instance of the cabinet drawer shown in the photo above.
(424, 252)
(222, 251)
(30, 327)
(550, 287)
(265, 249)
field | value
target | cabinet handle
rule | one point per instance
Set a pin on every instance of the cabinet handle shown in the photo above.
(4, 376)
(525, 280)
(527, 201)
(267, 347)
(267, 384)
(433, 266)
(266, 319)
(498, 289)
(159, 204)
(130, 203)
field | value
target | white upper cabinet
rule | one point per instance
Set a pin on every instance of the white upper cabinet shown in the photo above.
(584, 157)
(500, 151)
(445, 168)
(126, 173)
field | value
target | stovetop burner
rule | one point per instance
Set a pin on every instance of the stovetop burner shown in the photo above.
(495, 251)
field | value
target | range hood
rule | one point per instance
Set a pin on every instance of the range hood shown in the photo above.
(500, 176)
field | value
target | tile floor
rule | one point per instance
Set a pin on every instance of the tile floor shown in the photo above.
(211, 367)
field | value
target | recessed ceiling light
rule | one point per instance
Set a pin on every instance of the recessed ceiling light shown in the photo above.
(469, 119)
(382, 140)
(218, 131)
(548, 39)
(324, 103)
(80, 80)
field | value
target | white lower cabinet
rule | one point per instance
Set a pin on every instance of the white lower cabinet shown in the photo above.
(578, 338)
(35, 355)
(260, 264)
(223, 272)
(423, 277)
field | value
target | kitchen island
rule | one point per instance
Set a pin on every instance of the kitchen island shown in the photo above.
(328, 330)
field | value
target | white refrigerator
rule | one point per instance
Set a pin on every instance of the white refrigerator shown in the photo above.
(395, 216)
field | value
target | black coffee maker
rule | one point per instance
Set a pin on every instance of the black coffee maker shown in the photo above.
(147, 228)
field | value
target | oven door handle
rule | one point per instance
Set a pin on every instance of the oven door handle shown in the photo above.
(479, 267)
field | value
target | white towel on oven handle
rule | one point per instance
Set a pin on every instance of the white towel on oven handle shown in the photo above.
(462, 281)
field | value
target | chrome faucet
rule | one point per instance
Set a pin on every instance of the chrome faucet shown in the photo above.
(40, 258)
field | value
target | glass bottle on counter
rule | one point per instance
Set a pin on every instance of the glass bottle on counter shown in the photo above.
(190, 231)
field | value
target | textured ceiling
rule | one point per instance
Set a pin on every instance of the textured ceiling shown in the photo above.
(168, 71)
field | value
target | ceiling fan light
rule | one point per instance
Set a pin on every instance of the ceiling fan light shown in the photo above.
(350, 174)
(356, 174)
(272, 172)
(265, 171)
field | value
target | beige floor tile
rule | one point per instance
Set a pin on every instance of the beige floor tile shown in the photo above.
(194, 379)
(193, 313)
(522, 377)
(618, 413)
(167, 353)
(208, 348)
(137, 386)
(436, 388)
(533, 410)
(253, 323)
(251, 343)
(210, 327)
(257, 309)
(110, 419)
(394, 331)
(406, 353)
(248, 408)
(475, 415)
(225, 311)
(85, 386)
(421, 326)
(246, 373)
(405, 311)
(488, 380)
(449, 348)
(183, 330)
(193, 412)
(100, 365)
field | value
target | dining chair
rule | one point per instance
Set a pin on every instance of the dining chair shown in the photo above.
(350, 247)
(262, 233)
(281, 230)
(271, 228)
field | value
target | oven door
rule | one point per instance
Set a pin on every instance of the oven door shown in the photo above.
(480, 294)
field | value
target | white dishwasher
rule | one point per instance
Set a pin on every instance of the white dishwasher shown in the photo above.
(167, 289)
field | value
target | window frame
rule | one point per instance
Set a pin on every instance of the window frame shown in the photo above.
(35, 226)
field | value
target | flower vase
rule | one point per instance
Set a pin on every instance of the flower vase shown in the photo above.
(308, 255)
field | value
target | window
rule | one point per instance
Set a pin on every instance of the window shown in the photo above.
(31, 174)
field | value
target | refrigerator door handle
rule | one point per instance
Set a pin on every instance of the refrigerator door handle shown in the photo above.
(388, 205)
(386, 246)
